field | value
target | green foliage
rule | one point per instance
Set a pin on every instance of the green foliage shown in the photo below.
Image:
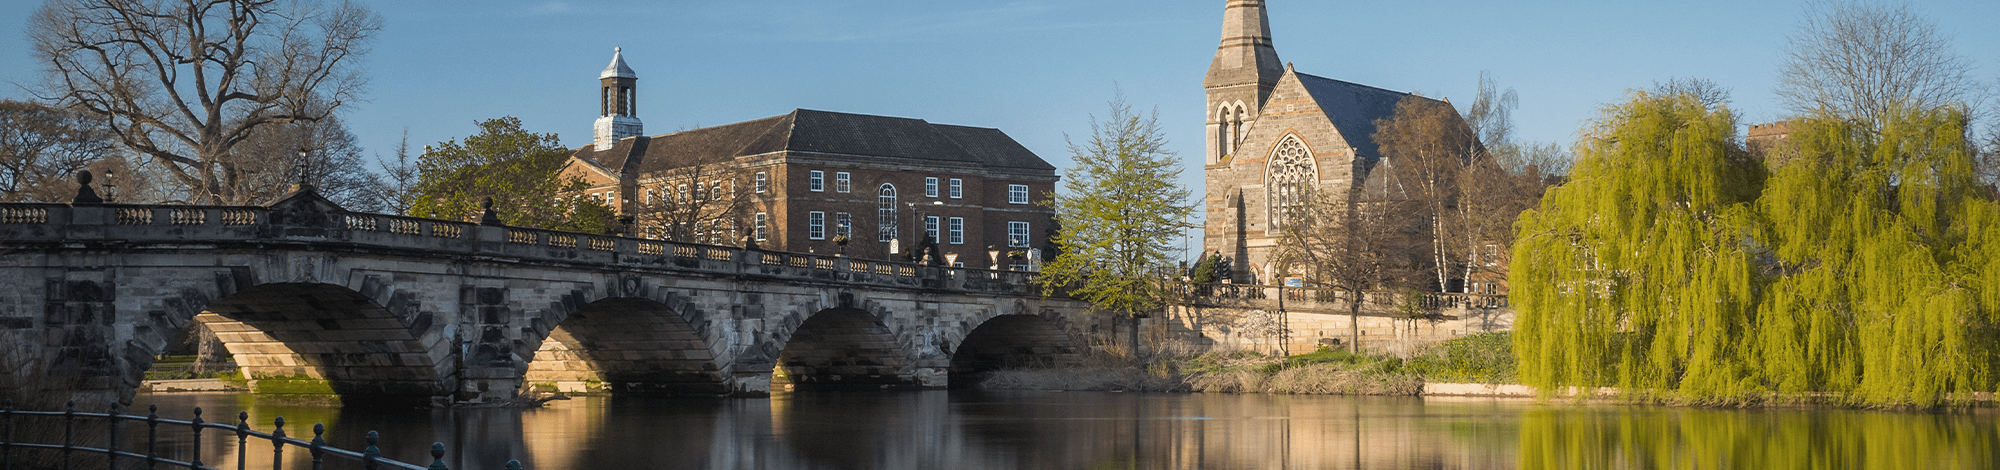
(1204, 270)
(293, 385)
(1479, 358)
(520, 170)
(1676, 269)
(1121, 208)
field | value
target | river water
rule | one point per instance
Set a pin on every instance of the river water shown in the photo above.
(1076, 430)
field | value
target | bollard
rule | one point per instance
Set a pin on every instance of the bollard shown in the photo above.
(278, 445)
(437, 456)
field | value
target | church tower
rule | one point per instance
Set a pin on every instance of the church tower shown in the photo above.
(618, 102)
(1245, 70)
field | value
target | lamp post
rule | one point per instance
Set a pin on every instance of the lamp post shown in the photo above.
(916, 221)
(110, 187)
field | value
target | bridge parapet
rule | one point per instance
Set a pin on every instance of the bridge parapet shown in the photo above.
(310, 220)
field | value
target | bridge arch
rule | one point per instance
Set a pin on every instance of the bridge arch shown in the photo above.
(300, 333)
(1017, 338)
(844, 349)
(627, 345)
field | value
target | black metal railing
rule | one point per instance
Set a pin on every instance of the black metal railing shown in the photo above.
(370, 458)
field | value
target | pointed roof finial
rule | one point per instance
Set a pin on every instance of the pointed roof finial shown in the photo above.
(618, 69)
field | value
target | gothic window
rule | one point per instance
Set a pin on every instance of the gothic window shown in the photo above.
(1289, 179)
(885, 212)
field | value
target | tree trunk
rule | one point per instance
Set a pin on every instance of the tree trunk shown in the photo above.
(1354, 324)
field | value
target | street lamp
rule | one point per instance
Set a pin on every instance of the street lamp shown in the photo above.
(110, 187)
(916, 221)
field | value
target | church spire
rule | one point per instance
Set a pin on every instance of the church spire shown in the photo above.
(618, 102)
(1245, 70)
(1246, 55)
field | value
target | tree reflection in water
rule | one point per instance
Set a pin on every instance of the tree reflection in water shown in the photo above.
(1046, 430)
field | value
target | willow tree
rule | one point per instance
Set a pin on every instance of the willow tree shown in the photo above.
(1639, 272)
(1888, 259)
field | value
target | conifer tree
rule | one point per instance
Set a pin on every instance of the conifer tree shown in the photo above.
(1120, 209)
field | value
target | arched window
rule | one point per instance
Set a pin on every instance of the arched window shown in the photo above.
(1289, 178)
(885, 211)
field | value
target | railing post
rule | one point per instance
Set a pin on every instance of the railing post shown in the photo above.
(319, 446)
(69, 428)
(152, 435)
(7, 434)
(111, 458)
(372, 453)
(196, 425)
(242, 439)
(278, 445)
(437, 456)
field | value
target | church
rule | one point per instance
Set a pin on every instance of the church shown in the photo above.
(1274, 136)
(821, 182)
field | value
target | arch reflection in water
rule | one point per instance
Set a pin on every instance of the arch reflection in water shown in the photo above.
(1038, 430)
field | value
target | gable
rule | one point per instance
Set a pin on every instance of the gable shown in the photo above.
(1353, 109)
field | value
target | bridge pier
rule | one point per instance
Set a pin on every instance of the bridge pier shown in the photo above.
(752, 384)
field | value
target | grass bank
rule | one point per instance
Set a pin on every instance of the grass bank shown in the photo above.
(1482, 358)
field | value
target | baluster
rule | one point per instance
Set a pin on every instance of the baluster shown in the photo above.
(152, 435)
(437, 456)
(196, 425)
(69, 428)
(111, 458)
(7, 440)
(319, 446)
(369, 455)
(278, 445)
(242, 438)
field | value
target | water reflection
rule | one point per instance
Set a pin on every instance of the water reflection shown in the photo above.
(1037, 430)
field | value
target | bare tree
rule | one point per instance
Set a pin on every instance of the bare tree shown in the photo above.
(393, 187)
(276, 158)
(1861, 61)
(698, 203)
(1709, 93)
(1434, 152)
(185, 81)
(42, 146)
(1368, 239)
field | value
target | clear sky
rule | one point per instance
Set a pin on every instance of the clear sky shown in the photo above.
(1036, 69)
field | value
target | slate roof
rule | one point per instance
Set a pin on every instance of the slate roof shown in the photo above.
(825, 132)
(1353, 108)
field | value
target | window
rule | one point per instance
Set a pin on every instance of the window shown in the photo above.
(649, 196)
(841, 181)
(1290, 180)
(763, 183)
(885, 212)
(683, 195)
(717, 191)
(843, 225)
(1017, 234)
(816, 181)
(931, 227)
(700, 233)
(957, 230)
(757, 226)
(816, 225)
(957, 188)
(1017, 194)
(1492, 255)
(700, 192)
(931, 187)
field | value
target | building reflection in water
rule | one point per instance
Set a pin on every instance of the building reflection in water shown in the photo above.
(1040, 430)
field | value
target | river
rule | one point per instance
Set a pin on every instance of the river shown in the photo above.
(1054, 430)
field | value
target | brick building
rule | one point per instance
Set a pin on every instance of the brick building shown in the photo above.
(798, 181)
(1274, 136)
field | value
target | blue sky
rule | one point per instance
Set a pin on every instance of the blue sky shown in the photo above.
(1036, 69)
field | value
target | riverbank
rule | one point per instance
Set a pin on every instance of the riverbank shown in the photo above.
(1475, 359)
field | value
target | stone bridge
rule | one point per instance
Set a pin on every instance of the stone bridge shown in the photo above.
(445, 312)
